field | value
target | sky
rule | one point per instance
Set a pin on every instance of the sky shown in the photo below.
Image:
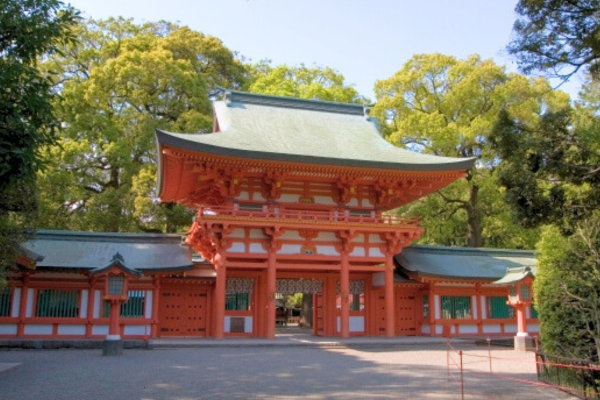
(366, 41)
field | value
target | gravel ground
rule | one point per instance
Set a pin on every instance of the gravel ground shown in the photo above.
(409, 372)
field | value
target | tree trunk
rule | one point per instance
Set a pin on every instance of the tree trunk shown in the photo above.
(306, 312)
(475, 230)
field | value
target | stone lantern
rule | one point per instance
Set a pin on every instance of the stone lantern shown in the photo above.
(116, 276)
(519, 282)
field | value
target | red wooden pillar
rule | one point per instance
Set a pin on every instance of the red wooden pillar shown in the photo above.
(155, 304)
(220, 286)
(271, 289)
(113, 324)
(389, 295)
(521, 320)
(90, 307)
(345, 296)
(23, 306)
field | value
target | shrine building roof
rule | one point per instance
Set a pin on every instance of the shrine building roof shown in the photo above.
(462, 263)
(69, 250)
(274, 128)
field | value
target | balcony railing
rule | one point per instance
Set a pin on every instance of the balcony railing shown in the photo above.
(293, 215)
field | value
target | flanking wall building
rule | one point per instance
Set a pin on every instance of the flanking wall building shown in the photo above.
(290, 196)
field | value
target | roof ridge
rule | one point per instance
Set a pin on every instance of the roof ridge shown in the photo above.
(295, 102)
(49, 234)
(459, 249)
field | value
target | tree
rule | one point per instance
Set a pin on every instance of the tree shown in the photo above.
(557, 36)
(322, 83)
(440, 105)
(29, 29)
(119, 83)
(567, 290)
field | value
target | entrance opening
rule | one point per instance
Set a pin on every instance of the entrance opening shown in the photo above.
(294, 314)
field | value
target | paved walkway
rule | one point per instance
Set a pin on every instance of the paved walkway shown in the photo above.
(284, 368)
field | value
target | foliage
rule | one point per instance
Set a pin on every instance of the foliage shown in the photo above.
(322, 83)
(567, 290)
(439, 105)
(119, 83)
(558, 36)
(29, 29)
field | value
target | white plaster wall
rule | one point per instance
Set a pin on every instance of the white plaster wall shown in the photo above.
(437, 306)
(38, 329)
(289, 198)
(512, 328)
(257, 234)
(426, 329)
(324, 200)
(327, 251)
(467, 329)
(290, 249)
(243, 196)
(326, 237)
(29, 308)
(491, 329)
(148, 304)
(533, 328)
(378, 279)
(238, 233)
(257, 248)
(136, 330)
(237, 247)
(353, 202)
(357, 324)
(71, 329)
(375, 252)
(375, 238)
(16, 303)
(8, 329)
(248, 325)
(84, 304)
(358, 252)
(97, 303)
(528, 312)
(483, 307)
(100, 330)
(257, 196)
(474, 306)
(438, 329)
(291, 235)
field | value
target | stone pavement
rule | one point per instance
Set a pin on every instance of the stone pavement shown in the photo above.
(291, 367)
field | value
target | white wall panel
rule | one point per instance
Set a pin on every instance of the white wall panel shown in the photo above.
(38, 329)
(8, 329)
(84, 304)
(66, 329)
(16, 303)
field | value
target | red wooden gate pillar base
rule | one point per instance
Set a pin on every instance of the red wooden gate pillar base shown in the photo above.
(389, 296)
(220, 286)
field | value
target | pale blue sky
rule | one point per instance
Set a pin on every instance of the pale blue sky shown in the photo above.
(364, 40)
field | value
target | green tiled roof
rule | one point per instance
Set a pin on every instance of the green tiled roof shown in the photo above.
(95, 250)
(307, 131)
(462, 262)
(516, 274)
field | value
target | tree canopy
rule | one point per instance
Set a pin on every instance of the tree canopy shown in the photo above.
(557, 36)
(440, 105)
(29, 30)
(119, 83)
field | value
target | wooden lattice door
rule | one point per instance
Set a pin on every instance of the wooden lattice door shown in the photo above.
(183, 311)
(318, 315)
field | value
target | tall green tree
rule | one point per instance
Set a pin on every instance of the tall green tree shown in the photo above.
(440, 105)
(559, 37)
(119, 83)
(321, 83)
(29, 29)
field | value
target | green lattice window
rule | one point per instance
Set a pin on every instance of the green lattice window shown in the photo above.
(534, 312)
(356, 303)
(57, 303)
(456, 307)
(497, 307)
(237, 301)
(5, 302)
(425, 306)
(132, 308)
